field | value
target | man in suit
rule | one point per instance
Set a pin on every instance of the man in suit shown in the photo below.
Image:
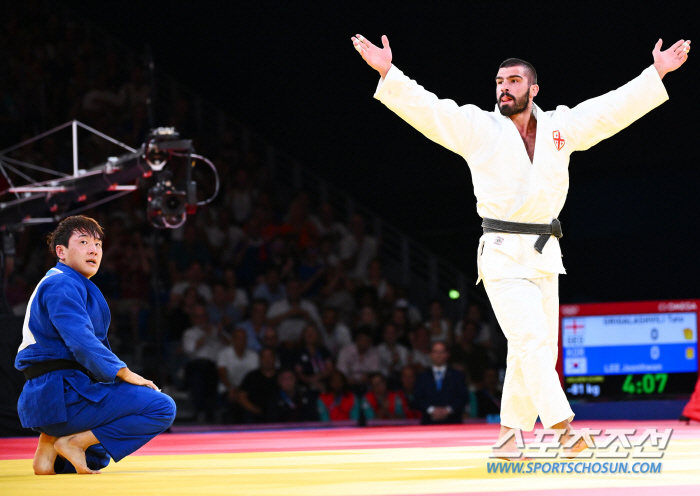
(441, 391)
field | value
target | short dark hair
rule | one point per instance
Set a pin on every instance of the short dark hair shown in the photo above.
(529, 68)
(70, 225)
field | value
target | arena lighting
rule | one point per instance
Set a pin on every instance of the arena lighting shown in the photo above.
(50, 201)
(454, 294)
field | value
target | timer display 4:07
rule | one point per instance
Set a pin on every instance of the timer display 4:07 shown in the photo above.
(646, 384)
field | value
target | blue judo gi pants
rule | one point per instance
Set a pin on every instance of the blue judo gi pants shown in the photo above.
(124, 420)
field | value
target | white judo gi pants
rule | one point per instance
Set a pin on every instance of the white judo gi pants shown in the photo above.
(528, 313)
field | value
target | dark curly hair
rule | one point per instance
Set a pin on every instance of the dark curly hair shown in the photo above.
(70, 225)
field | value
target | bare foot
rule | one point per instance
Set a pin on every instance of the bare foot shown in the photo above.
(71, 448)
(577, 448)
(45, 455)
(508, 449)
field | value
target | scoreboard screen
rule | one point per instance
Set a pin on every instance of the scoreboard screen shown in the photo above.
(622, 349)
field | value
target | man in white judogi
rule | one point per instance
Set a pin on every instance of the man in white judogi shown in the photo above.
(519, 156)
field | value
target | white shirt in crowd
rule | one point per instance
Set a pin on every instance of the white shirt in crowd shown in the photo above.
(354, 365)
(209, 350)
(237, 367)
(386, 358)
(290, 329)
(366, 252)
(338, 337)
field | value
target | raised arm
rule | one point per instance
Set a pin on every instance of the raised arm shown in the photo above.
(599, 118)
(671, 58)
(377, 58)
(440, 120)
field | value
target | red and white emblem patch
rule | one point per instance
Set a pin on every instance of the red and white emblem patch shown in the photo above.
(558, 140)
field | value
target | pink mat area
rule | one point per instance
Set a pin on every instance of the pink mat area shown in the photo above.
(339, 439)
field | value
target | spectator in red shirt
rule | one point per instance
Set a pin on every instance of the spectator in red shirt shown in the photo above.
(339, 403)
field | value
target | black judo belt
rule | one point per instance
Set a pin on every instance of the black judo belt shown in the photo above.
(544, 230)
(42, 368)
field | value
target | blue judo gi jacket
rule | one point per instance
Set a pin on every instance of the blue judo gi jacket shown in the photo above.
(67, 318)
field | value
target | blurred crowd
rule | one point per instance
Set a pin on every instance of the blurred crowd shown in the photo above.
(264, 306)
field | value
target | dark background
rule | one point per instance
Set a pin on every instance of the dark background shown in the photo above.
(289, 71)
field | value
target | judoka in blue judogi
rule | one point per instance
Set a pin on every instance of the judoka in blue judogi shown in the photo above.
(65, 328)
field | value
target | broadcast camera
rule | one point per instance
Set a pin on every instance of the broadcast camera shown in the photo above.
(167, 206)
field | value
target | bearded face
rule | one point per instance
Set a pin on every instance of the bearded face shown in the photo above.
(510, 104)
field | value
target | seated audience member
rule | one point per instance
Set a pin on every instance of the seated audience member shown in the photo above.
(376, 403)
(313, 362)
(179, 312)
(290, 315)
(299, 226)
(339, 403)
(400, 320)
(441, 391)
(291, 402)
(337, 334)
(367, 318)
(201, 344)
(257, 386)
(359, 359)
(392, 356)
(327, 253)
(484, 336)
(339, 293)
(271, 289)
(328, 226)
(194, 278)
(404, 398)
(237, 296)
(241, 196)
(375, 279)
(420, 352)
(281, 254)
(234, 362)
(285, 355)
(487, 398)
(412, 312)
(440, 328)
(357, 249)
(183, 253)
(221, 309)
(468, 356)
(256, 326)
(311, 273)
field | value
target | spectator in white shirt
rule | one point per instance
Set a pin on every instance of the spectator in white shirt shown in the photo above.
(359, 359)
(337, 333)
(291, 314)
(234, 362)
(420, 344)
(201, 343)
(440, 328)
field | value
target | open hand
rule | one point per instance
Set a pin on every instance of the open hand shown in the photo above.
(377, 58)
(127, 375)
(671, 58)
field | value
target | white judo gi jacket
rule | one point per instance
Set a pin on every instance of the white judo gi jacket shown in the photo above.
(507, 185)
(522, 283)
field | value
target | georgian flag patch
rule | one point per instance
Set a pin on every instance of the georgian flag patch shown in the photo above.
(558, 140)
